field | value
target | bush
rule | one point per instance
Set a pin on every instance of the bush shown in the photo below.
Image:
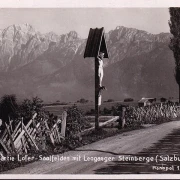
(128, 100)
(76, 123)
(117, 110)
(91, 112)
(163, 99)
(8, 108)
(155, 114)
(110, 100)
(31, 106)
(106, 111)
(82, 100)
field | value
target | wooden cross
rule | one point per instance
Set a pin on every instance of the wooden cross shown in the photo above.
(95, 47)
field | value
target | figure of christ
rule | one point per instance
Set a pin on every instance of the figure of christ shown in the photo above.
(100, 75)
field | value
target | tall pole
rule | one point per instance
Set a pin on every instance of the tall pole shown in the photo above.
(97, 85)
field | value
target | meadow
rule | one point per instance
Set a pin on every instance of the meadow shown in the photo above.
(86, 107)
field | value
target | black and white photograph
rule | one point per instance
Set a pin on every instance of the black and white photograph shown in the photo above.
(90, 91)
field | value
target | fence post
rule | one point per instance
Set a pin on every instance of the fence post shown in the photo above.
(50, 133)
(122, 121)
(58, 136)
(123, 117)
(63, 123)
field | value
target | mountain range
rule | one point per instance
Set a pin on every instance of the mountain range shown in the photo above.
(52, 66)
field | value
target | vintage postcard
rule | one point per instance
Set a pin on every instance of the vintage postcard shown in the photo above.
(90, 90)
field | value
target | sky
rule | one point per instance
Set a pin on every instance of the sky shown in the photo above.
(63, 20)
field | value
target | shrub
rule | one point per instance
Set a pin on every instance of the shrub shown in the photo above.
(91, 112)
(106, 111)
(82, 100)
(128, 100)
(163, 99)
(8, 107)
(110, 100)
(76, 123)
(30, 106)
(155, 114)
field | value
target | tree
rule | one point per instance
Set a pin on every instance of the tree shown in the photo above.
(110, 100)
(8, 107)
(128, 100)
(30, 106)
(174, 45)
(76, 122)
(82, 100)
(163, 99)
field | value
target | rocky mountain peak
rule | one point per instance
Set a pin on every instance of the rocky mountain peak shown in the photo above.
(20, 28)
(52, 36)
(72, 35)
(121, 33)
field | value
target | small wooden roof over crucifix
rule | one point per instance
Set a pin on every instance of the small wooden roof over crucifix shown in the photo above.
(96, 43)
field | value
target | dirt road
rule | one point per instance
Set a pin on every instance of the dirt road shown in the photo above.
(107, 152)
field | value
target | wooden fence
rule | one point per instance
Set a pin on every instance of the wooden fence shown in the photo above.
(23, 137)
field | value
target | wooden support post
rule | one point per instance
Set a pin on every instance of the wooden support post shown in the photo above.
(24, 140)
(58, 136)
(34, 130)
(14, 136)
(33, 121)
(97, 85)
(16, 130)
(11, 139)
(22, 133)
(63, 123)
(19, 135)
(15, 133)
(53, 131)
(23, 144)
(123, 117)
(4, 146)
(32, 140)
(4, 135)
(10, 124)
(22, 123)
(50, 134)
(34, 116)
